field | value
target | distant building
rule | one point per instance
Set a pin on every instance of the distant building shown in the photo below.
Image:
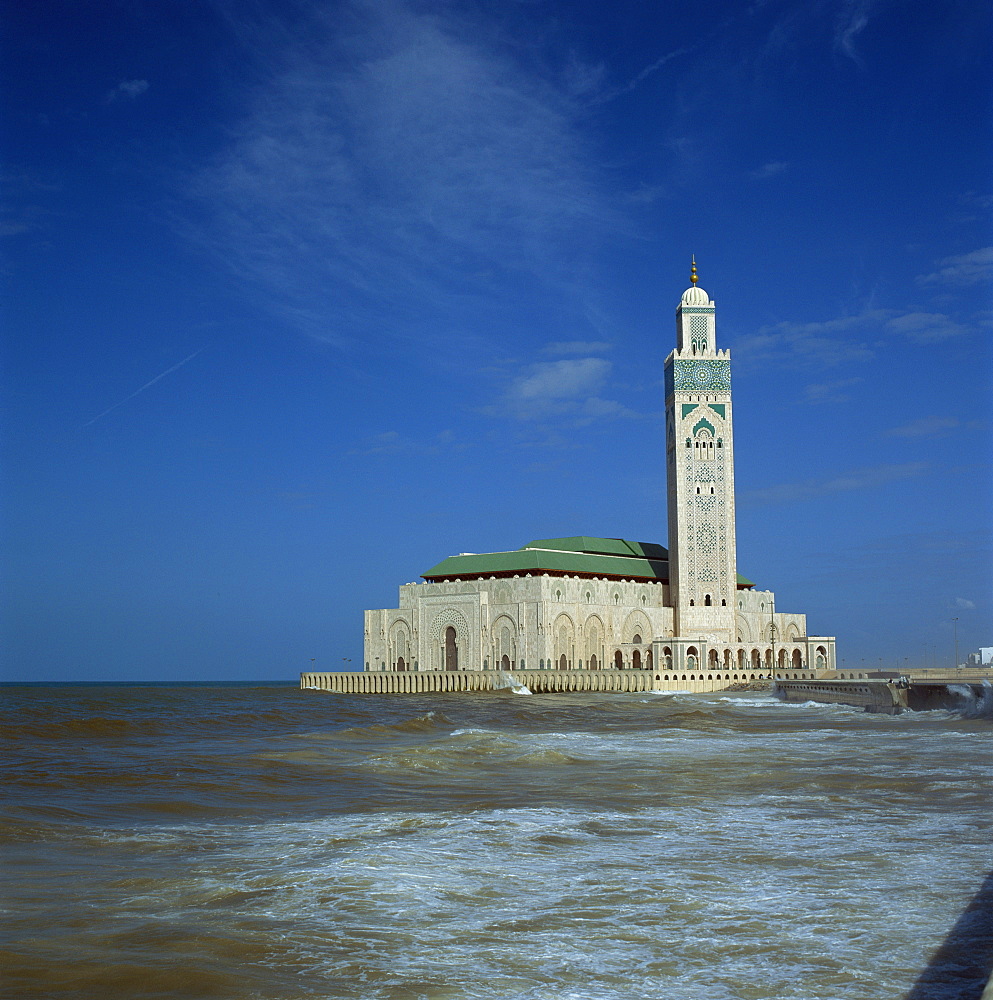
(583, 603)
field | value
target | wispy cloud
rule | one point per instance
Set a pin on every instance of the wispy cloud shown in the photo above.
(569, 391)
(821, 344)
(974, 268)
(647, 194)
(852, 20)
(844, 340)
(771, 169)
(394, 443)
(147, 385)
(21, 211)
(965, 604)
(577, 347)
(392, 154)
(856, 480)
(926, 427)
(615, 92)
(973, 199)
(556, 381)
(129, 89)
(831, 392)
(925, 328)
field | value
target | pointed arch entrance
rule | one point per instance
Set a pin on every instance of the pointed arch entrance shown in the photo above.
(451, 650)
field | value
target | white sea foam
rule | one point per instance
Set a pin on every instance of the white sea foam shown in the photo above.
(507, 681)
(492, 896)
(810, 853)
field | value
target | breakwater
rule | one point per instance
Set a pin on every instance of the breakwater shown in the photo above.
(536, 681)
(889, 695)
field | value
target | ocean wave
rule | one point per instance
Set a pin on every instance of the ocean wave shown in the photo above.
(973, 706)
(430, 722)
(95, 728)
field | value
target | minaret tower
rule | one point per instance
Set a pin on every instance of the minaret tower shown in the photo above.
(700, 473)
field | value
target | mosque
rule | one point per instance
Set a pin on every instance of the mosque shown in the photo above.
(594, 604)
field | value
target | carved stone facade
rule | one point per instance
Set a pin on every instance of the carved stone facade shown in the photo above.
(534, 622)
(608, 604)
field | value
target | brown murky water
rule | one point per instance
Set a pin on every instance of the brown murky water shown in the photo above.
(263, 842)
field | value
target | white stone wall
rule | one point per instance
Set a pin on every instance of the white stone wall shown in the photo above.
(536, 621)
(532, 621)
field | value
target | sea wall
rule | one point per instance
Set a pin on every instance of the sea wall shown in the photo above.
(536, 681)
(872, 695)
(892, 696)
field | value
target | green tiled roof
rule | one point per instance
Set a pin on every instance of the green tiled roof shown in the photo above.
(580, 555)
(602, 546)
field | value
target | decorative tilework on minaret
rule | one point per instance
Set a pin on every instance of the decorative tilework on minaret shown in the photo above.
(700, 473)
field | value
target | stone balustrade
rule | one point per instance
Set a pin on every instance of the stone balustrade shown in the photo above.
(536, 681)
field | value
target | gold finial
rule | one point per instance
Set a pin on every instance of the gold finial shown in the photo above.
(693, 278)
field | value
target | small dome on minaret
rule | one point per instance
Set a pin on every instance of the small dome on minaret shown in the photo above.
(694, 295)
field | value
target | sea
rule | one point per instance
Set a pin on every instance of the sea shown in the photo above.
(259, 841)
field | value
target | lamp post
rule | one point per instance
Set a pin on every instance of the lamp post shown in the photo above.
(772, 636)
(955, 626)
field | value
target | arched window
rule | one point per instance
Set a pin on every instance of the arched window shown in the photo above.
(698, 334)
(637, 638)
(563, 662)
(636, 660)
(618, 660)
(707, 600)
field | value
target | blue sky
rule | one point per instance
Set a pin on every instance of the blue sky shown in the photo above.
(301, 298)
